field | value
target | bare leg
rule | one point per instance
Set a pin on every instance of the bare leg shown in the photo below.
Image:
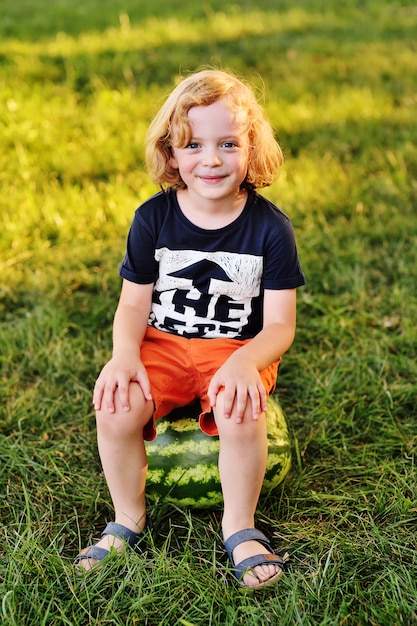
(123, 458)
(242, 464)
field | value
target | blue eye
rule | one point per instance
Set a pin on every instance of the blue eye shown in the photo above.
(229, 144)
(193, 145)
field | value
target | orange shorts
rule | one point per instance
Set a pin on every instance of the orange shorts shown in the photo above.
(180, 371)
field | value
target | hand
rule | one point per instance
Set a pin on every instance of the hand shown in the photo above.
(117, 374)
(241, 382)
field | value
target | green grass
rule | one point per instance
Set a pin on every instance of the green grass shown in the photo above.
(79, 82)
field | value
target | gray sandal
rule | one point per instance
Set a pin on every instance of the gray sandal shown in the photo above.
(132, 539)
(240, 569)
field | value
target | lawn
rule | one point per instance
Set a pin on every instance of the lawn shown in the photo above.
(79, 83)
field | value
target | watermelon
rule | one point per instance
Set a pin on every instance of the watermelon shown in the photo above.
(183, 460)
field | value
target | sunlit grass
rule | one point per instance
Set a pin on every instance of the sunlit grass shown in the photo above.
(228, 25)
(79, 83)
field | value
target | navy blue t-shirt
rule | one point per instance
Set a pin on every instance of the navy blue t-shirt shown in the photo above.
(210, 283)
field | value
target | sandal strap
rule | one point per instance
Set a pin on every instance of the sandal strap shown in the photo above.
(121, 532)
(248, 534)
(242, 568)
(94, 552)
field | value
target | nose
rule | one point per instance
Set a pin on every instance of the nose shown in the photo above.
(211, 157)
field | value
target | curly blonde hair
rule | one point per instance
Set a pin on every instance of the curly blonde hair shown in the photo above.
(202, 89)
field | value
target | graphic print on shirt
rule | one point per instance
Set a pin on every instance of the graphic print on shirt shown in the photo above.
(205, 293)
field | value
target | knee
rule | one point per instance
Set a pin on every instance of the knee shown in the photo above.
(124, 424)
(117, 425)
(249, 430)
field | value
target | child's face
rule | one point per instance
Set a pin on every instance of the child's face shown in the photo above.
(214, 163)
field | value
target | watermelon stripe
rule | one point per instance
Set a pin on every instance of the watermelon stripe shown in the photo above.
(183, 460)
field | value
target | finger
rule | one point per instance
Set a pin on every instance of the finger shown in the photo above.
(229, 399)
(213, 390)
(255, 401)
(97, 396)
(263, 398)
(240, 402)
(145, 385)
(258, 401)
(108, 397)
(123, 390)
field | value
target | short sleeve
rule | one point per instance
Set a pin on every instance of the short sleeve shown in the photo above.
(282, 268)
(139, 264)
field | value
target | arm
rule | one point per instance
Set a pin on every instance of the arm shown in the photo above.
(239, 376)
(125, 366)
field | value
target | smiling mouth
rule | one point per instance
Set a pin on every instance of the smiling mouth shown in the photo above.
(212, 179)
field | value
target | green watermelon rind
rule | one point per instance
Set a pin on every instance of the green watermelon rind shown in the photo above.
(196, 483)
